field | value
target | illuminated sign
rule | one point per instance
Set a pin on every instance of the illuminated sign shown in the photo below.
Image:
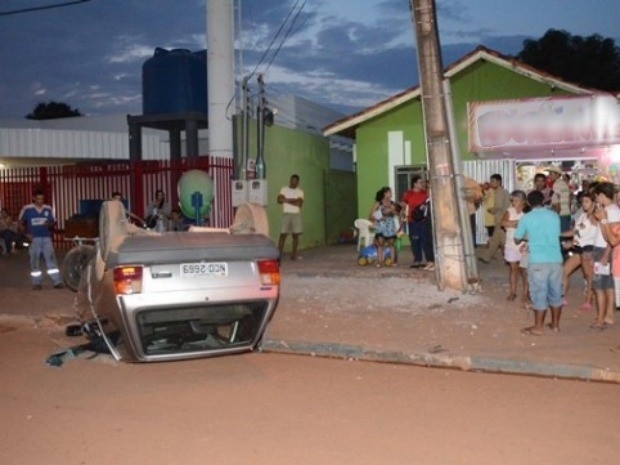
(543, 123)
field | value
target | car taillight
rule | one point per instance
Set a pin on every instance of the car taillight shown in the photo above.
(269, 271)
(128, 279)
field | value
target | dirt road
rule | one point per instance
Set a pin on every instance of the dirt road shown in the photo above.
(276, 409)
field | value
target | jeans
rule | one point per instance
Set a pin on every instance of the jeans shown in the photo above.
(43, 246)
(429, 245)
(418, 239)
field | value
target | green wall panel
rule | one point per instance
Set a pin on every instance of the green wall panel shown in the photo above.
(290, 152)
(372, 150)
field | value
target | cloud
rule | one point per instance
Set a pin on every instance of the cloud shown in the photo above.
(130, 54)
(345, 54)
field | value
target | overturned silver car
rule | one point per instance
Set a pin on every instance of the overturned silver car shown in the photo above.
(179, 295)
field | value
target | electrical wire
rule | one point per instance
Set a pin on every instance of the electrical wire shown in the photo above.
(286, 35)
(275, 37)
(294, 119)
(266, 52)
(42, 7)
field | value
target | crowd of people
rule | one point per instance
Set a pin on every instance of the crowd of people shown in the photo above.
(390, 219)
(549, 233)
(545, 235)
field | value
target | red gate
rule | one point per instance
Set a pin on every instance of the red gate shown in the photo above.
(65, 186)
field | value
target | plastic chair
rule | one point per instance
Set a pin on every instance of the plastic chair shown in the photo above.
(364, 233)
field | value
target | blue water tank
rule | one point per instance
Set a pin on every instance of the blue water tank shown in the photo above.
(174, 81)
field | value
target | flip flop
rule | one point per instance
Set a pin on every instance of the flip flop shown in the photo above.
(511, 297)
(531, 332)
(599, 326)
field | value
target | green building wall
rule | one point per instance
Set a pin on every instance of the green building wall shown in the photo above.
(484, 81)
(289, 152)
(481, 81)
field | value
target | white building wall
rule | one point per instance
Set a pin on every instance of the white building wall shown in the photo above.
(75, 145)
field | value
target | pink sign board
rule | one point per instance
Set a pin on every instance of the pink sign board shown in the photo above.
(543, 123)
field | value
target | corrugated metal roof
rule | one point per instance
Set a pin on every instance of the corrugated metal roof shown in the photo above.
(76, 145)
(347, 126)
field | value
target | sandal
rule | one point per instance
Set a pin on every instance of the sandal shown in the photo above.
(599, 326)
(553, 328)
(511, 297)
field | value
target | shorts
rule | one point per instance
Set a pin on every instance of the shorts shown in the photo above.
(291, 223)
(565, 221)
(512, 255)
(601, 282)
(386, 238)
(545, 282)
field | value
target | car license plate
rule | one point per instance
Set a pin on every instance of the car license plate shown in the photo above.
(201, 270)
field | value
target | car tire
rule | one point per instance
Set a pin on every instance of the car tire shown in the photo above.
(74, 264)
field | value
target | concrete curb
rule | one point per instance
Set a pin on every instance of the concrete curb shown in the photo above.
(461, 362)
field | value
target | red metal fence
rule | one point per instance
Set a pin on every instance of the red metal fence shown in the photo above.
(65, 186)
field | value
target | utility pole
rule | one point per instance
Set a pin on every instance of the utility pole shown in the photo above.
(260, 130)
(220, 76)
(448, 238)
(245, 128)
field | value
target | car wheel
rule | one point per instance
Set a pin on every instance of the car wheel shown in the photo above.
(74, 265)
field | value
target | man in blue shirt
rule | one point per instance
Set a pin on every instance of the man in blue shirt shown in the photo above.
(541, 229)
(37, 221)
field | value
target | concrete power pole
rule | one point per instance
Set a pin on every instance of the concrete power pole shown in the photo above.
(220, 76)
(448, 238)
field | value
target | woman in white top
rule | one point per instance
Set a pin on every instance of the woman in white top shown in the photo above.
(579, 246)
(512, 252)
(608, 214)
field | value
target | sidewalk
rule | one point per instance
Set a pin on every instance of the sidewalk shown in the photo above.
(330, 306)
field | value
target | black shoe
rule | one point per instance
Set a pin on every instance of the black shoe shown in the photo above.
(417, 265)
(37, 287)
(59, 286)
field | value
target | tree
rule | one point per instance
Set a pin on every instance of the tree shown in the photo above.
(592, 61)
(53, 110)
